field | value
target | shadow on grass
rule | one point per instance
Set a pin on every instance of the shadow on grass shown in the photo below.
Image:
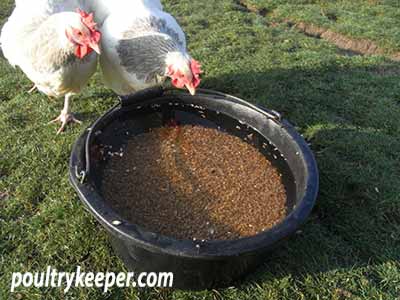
(86, 116)
(350, 116)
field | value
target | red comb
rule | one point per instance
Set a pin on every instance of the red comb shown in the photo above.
(87, 19)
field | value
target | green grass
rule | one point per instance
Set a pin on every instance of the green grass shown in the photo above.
(348, 107)
(376, 20)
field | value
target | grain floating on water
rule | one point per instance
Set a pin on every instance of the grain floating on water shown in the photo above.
(193, 182)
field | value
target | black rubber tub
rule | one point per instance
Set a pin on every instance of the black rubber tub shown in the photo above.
(196, 265)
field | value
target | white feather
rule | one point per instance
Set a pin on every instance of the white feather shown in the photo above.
(103, 8)
(34, 42)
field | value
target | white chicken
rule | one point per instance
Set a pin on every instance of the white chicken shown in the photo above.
(142, 46)
(54, 47)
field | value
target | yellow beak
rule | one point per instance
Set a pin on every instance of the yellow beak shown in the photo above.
(191, 89)
(95, 47)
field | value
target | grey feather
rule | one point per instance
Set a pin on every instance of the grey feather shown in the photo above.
(152, 24)
(144, 56)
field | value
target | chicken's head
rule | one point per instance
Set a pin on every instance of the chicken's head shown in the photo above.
(184, 72)
(85, 35)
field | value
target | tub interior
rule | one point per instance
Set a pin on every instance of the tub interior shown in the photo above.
(111, 136)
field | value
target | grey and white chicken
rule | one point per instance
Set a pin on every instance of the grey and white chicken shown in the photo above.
(142, 46)
(54, 46)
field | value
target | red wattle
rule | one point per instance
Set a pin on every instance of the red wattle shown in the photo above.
(82, 51)
(78, 52)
